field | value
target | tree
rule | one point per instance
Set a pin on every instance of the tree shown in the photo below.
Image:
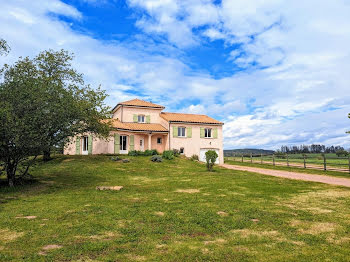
(20, 129)
(44, 102)
(210, 157)
(348, 117)
(4, 47)
(72, 107)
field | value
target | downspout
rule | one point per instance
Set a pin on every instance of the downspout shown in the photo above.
(169, 135)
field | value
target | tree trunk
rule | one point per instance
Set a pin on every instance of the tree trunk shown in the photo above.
(47, 155)
(10, 170)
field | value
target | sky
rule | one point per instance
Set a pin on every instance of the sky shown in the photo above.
(276, 72)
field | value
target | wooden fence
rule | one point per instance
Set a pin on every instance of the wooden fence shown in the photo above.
(322, 162)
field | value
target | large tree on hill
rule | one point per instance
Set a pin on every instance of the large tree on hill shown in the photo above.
(43, 103)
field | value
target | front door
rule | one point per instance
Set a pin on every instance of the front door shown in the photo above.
(85, 150)
(123, 145)
(142, 144)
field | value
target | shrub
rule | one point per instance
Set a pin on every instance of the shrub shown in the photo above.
(210, 157)
(176, 152)
(194, 158)
(151, 152)
(133, 153)
(168, 154)
(341, 153)
(115, 158)
(156, 158)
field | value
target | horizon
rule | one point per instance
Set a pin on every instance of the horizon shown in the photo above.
(275, 72)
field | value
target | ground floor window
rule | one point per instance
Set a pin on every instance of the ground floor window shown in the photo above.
(159, 140)
(123, 143)
(182, 150)
(85, 143)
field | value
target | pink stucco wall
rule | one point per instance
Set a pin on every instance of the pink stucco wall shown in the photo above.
(126, 114)
(193, 145)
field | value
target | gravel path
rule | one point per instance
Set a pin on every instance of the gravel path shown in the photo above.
(293, 175)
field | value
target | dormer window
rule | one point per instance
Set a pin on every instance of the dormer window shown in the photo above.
(141, 119)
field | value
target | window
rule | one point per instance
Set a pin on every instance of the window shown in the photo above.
(181, 132)
(207, 132)
(182, 150)
(141, 118)
(159, 140)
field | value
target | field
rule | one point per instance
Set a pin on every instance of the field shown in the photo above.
(170, 211)
(314, 161)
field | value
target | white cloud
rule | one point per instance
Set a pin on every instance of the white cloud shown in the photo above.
(301, 97)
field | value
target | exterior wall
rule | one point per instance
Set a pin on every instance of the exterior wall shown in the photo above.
(128, 114)
(193, 145)
(106, 146)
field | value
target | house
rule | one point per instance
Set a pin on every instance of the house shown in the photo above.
(141, 125)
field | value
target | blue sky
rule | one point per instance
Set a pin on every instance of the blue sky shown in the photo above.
(275, 71)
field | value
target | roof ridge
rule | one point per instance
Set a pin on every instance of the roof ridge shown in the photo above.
(184, 114)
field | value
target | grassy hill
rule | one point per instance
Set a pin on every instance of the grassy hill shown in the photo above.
(247, 151)
(169, 211)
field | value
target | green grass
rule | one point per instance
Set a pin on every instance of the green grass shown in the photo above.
(265, 218)
(229, 160)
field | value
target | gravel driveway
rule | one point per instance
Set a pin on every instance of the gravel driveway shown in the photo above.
(293, 175)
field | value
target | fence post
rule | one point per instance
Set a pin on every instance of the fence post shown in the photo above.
(324, 162)
(251, 158)
(261, 159)
(304, 161)
(287, 160)
(242, 158)
(273, 159)
(349, 163)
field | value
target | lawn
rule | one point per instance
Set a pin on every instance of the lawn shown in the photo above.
(170, 211)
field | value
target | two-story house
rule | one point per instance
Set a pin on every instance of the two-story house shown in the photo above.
(141, 125)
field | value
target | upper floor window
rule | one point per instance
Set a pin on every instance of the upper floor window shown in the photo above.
(207, 132)
(181, 132)
(141, 119)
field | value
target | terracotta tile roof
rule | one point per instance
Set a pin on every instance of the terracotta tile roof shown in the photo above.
(138, 102)
(189, 118)
(138, 126)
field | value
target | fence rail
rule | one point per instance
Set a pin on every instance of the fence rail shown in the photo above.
(321, 162)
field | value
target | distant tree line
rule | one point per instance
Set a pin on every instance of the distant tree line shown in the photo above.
(314, 148)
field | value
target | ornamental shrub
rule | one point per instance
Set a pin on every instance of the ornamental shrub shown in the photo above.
(210, 157)
(168, 154)
(194, 158)
(156, 158)
(133, 153)
(176, 152)
(151, 152)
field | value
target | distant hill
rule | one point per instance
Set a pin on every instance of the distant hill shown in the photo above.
(247, 151)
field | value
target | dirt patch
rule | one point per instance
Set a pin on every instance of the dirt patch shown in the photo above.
(313, 228)
(104, 236)
(27, 217)
(255, 220)
(113, 188)
(189, 191)
(136, 257)
(222, 213)
(68, 160)
(161, 214)
(216, 241)
(246, 233)
(7, 235)
(50, 247)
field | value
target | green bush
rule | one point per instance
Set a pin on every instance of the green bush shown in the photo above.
(210, 157)
(115, 158)
(168, 154)
(151, 152)
(194, 158)
(133, 153)
(156, 158)
(176, 152)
